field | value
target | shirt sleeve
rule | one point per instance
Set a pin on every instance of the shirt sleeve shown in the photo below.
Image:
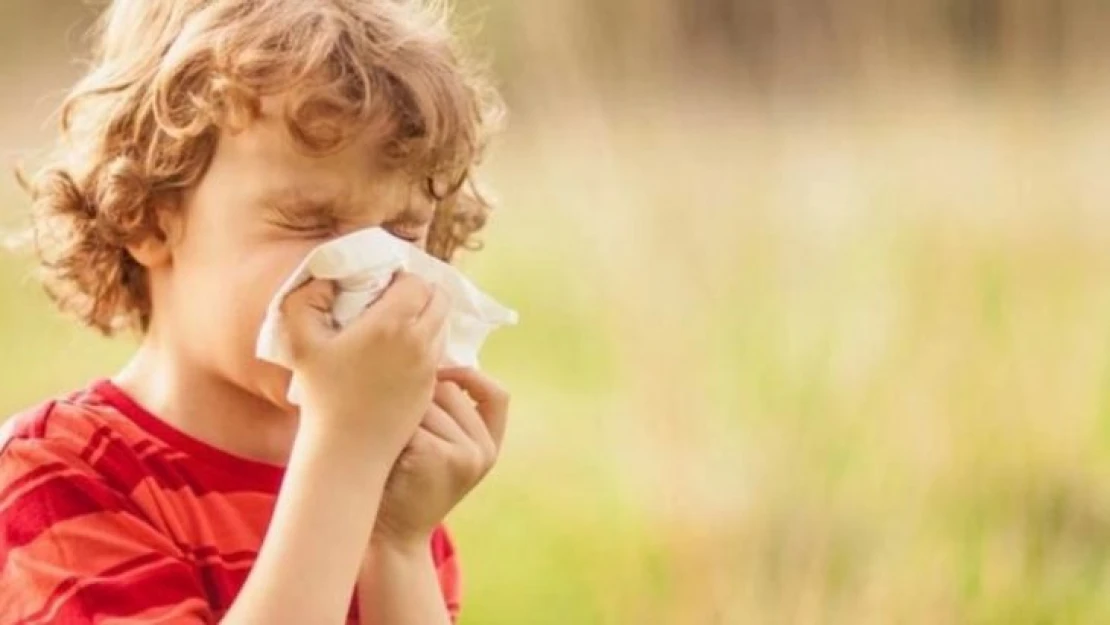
(74, 551)
(447, 569)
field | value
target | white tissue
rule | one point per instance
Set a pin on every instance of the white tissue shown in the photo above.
(362, 264)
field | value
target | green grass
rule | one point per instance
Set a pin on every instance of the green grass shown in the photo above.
(851, 371)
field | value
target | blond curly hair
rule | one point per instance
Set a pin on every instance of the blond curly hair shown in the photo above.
(168, 76)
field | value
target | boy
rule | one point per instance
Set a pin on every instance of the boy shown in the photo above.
(213, 144)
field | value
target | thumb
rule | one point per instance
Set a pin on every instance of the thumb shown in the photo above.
(307, 314)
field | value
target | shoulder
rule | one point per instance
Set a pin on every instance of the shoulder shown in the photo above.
(50, 430)
(62, 436)
(73, 545)
(49, 477)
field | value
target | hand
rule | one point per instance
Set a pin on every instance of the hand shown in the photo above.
(453, 449)
(372, 381)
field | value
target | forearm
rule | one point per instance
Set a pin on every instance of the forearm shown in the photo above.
(310, 557)
(398, 585)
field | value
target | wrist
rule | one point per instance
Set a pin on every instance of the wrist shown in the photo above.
(398, 583)
(357, 458)
(408, 545)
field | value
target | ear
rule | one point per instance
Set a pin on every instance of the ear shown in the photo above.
(152, 252)
(156, 250)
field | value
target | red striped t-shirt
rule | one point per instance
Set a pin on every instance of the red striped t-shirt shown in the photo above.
(110, 515)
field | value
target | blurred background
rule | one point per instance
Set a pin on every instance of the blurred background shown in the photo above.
(815, 327)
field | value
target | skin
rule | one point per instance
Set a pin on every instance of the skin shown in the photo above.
(397, 443)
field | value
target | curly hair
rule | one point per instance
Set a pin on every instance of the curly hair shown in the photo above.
(168, 76)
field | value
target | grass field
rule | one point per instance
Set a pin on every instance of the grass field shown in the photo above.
(848, 366)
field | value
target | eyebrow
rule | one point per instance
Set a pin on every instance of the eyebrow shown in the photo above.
(294, 201)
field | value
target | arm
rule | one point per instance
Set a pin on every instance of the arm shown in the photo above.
(364, 391)
(456, 445)
(399, 585)
(321, 529)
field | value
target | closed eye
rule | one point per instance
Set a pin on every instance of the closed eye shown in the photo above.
(316, 226)
(303, 217)
(412, 232)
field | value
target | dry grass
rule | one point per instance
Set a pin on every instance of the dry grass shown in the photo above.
(836, 366)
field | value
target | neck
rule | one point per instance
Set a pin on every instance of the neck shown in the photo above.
(207, 406)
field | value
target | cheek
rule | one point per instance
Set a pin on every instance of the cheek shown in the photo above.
(262, 277)
(256, 280)
(222, 300)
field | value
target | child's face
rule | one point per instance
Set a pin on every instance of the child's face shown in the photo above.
(261, 206)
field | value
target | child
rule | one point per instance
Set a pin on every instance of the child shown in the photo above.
(212, 144)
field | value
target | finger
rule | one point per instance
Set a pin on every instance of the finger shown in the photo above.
(438, 422)
(306, 312)
(430, 322)
(426, 439)
(439, 343)
(491, 398)
(405, 297)
(462, 410)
